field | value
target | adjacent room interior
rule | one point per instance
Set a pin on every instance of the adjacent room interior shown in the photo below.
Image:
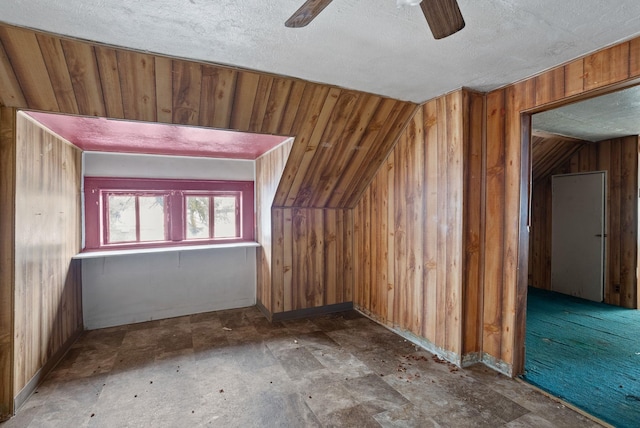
(582, 316)
(393, 216)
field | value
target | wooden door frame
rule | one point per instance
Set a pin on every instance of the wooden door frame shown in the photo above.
(525, 213)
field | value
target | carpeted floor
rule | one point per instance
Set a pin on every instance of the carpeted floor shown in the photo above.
(586, 353)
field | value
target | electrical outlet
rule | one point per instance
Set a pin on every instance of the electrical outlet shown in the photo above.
(616, 288)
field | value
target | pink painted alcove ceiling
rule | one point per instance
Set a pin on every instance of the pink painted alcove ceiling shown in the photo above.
(107, 135)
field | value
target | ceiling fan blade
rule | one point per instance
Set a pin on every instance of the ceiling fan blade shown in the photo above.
(307, 13)
(443, 16)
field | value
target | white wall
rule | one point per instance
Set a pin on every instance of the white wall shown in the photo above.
(119, 290)
(100, 164)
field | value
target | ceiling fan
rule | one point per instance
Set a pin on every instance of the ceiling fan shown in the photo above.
(443, 16)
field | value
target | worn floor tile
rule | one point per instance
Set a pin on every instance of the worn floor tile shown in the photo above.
(235, 369)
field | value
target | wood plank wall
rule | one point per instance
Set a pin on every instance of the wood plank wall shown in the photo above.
(7, 256)
(342, 136)
(619, 157)
(312, 258)
(48, 293)
(269, 169)
(417, 228)
(507, 188)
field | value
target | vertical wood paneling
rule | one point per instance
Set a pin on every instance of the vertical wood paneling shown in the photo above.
(574, 78)
(83, 69)
(362, 168)
(286, 283)
(270, 255)
(11, 94)
(163, 68)
(304, 157)
(433, 294)
(54, 58)
(634, 58)
(347, 234)
(7, 256)
(473, 220)
(187, 79)
(326, 145)
(598, 68)
(292, 107)
(276, 104)
(410, 224)
(364, 255)
(628, 213)
(23, 50)
(550, 86)
(48, 308)
(494, 224)
(330, 257)
(245, 95)
(110, 81)
(338, 156)
(386, 112)
(138, 85)
(261, 100)
(518, 97)
(216, 102)
(303, 127)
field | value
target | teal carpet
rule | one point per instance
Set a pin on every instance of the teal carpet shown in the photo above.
(586, 353)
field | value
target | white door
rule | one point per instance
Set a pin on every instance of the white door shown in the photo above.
(578, 232)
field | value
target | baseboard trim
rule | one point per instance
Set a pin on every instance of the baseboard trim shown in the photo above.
(266, 312)
(497, 364)
(311, 312)
(464, 361)
(422, 342)
(35, 381)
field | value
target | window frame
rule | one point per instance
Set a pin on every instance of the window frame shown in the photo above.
(96, 190)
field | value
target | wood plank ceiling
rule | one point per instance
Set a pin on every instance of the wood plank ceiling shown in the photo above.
(342, 136)
(548, 151)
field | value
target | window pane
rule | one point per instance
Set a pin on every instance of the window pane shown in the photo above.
(225, 217)
(197, 217)
(122, 218)
(152, 223)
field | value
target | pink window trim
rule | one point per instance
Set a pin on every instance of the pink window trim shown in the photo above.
(94, 210)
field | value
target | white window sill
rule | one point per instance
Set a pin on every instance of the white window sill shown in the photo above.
(127, 252)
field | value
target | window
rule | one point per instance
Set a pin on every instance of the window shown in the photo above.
(131, 213)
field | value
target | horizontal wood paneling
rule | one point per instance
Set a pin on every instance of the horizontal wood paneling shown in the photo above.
(48, 293)
(269, 169)
(342, 136)
(619, 158)
(312, 261)
(7, 256)
(507, 243)
(418, 228)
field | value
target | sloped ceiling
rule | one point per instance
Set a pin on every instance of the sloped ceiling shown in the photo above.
(341, 136)
(367, 45)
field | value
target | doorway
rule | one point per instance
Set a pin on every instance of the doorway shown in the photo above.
(577, 349)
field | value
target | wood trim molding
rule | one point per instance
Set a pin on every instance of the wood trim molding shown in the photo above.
(7, 257)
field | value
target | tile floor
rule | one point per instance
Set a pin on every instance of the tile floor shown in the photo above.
(235, 369)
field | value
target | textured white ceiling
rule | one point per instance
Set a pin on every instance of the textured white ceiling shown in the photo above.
(608, 116)
(369, 45)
